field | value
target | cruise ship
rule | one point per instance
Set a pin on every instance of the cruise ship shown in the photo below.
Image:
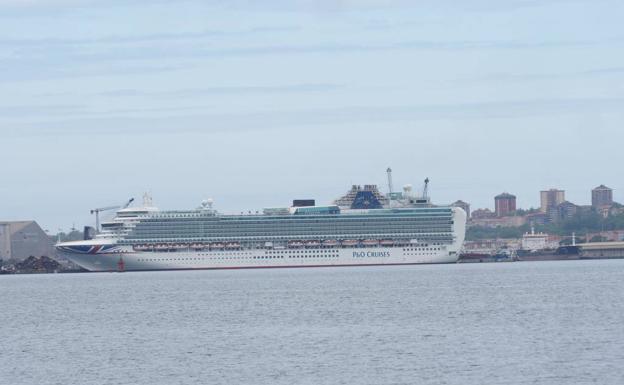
(303, 235)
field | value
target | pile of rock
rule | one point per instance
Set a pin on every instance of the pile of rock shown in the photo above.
(38, 265)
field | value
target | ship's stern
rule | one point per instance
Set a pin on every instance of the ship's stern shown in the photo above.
(460, 219)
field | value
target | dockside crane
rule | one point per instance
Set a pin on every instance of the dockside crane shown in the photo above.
(109, 208)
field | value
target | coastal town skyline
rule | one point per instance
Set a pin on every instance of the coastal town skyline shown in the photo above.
(487, 209)
(81, 181)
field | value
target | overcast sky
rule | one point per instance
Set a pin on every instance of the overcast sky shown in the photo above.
(254, 103)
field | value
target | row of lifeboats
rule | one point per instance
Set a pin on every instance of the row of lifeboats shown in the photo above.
(186, 246)
(347, 243)
(294, 244)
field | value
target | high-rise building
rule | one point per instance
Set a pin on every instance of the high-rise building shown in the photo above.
(550, 199)
(602, 196)
(505, 204)
(465, 206)
(563, 211)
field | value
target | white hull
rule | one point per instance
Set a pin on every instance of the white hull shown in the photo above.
(106, 254)
(129, 260)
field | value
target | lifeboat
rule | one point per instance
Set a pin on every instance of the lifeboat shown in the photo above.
(370, 242)
(313, 243)
(217, 246)
(161, 247)
(350, 242)
(386, 242)
(233, 246)
(330, 243)
(141, 247)
(295, 244)
(197, 246)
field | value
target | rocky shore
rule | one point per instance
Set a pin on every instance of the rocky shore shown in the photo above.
(38, 265)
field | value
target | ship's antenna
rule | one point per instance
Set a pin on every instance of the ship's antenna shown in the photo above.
(147, 200)
(390, 189)
(426, 189)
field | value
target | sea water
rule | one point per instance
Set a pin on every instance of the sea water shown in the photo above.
(468, 324)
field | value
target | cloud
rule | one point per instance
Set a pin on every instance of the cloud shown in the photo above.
(517, 77)
(604, 71)
(292, 119)
(302, 5)
(74, 51)
(39, 110)
(26, 59)
(30, 112)
(233, 90)
(146, 38)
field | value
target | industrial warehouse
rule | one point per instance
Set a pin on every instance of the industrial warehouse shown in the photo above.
(22, 239)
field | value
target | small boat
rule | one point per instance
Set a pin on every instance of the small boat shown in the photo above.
(141, 247)
(161, 247)
(313, 243)
(350, 242)
(295, 244)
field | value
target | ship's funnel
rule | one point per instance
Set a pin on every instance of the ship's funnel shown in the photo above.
(89, 233)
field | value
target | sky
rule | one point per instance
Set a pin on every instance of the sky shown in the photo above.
(256, 103)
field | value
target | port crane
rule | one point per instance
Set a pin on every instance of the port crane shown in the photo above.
(109, 208)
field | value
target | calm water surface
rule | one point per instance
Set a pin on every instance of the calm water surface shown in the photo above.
(514, 323)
